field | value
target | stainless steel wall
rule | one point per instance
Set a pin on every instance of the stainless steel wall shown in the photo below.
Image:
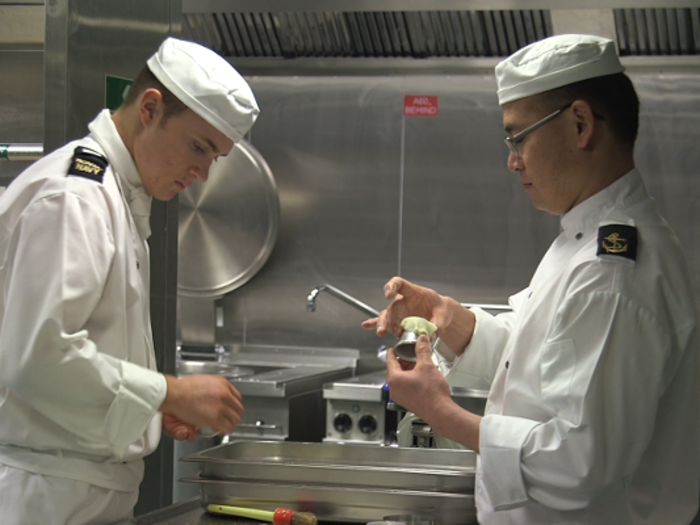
(21, 103)
(367, 193)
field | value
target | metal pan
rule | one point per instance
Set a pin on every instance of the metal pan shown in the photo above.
(423, 469)
(338, 503)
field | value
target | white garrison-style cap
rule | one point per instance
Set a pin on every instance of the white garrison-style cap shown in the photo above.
(207, 84)
(555, 62)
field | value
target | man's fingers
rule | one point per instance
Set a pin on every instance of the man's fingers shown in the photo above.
(392, 364)
(423, 349)
(392, 287)
(236, 394)
(370, 324)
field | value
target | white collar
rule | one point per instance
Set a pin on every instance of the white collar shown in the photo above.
(622, 193)
(103, 130)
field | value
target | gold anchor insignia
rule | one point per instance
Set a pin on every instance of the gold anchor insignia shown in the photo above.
(614, 243)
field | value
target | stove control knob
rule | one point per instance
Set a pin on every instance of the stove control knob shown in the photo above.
(342, 423)
(368, 424)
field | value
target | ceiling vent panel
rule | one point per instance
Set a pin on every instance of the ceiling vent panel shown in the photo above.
(400, 34)
(646, 32)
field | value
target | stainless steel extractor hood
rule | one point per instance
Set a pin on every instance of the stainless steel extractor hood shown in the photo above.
(400, 34)
(421, 29)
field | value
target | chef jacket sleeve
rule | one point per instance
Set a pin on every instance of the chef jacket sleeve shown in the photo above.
(602, 370)
(56, 266)
(476, 366)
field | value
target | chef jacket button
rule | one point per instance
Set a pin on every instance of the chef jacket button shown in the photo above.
(507, 364)
(138, 265)
(578, 236)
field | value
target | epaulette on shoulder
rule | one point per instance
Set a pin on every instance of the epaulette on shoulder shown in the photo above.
(88, 163)
(619, 240)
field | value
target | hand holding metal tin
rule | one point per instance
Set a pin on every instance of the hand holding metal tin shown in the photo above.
(409, 299)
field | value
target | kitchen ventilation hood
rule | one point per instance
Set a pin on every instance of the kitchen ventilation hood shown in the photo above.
(428, 30)
(398, 34)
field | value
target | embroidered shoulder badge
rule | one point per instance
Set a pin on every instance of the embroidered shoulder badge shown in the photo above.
(88, 163)
(618, 239)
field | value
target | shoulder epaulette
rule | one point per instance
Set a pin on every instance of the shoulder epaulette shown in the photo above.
(88, 163)
(619, 240)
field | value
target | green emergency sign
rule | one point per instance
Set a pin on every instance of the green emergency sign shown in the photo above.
(116, 89)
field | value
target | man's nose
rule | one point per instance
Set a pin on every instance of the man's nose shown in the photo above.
(515, 162)
(200, 173)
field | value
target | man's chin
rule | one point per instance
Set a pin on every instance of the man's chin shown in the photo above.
(165, 197)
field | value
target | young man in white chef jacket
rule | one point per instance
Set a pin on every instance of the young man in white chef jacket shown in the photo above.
(81, 401)
(593, 414)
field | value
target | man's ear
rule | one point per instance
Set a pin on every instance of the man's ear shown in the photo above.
(585, 122)
(150, 106)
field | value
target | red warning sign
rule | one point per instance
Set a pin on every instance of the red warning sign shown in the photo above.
(420, 106)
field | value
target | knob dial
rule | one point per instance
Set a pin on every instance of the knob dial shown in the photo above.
(367, 424)
(342, 423)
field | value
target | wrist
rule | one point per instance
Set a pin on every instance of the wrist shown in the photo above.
(171, 393)
(458, 333)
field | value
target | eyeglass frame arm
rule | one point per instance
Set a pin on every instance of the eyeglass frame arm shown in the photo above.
(512, 142)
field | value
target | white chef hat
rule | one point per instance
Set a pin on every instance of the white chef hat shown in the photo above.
(207, 84)
(555, 62)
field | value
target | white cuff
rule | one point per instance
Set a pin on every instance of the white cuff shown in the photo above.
(501, 439)
(140, 395)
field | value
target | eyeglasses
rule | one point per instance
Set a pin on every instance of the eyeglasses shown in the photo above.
(512, 142)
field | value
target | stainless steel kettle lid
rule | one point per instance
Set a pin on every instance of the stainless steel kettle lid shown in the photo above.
(227, 226)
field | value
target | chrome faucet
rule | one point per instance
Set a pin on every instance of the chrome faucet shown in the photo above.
(311, 299)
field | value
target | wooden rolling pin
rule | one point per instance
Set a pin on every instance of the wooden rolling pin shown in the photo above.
(276, 517)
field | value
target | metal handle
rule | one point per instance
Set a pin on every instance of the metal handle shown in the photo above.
(21, 151)
(258, 424)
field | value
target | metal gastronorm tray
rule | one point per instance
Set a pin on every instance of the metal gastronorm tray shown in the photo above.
(421, 469)
(338, 503)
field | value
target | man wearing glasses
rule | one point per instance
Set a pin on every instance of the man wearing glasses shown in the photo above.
(593, 415)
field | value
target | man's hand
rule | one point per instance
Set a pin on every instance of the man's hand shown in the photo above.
(420, 387)
(455, 323)
(203, 401)
(423, 390)
(176, 429)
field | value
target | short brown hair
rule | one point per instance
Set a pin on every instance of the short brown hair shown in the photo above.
(147, 80)
(611, 96)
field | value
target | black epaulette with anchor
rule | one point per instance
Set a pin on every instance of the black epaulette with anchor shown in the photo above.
(619, 240)
(88, 163)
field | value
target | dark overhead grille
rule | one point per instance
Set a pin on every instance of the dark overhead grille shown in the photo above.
(658, 31)
(397, 34)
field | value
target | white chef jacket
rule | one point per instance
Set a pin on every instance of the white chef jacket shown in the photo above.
(593, 415)
(79, 390)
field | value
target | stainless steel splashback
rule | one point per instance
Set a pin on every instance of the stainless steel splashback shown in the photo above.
(367, 193)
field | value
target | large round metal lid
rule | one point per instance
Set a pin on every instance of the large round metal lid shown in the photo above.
(227, 226)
